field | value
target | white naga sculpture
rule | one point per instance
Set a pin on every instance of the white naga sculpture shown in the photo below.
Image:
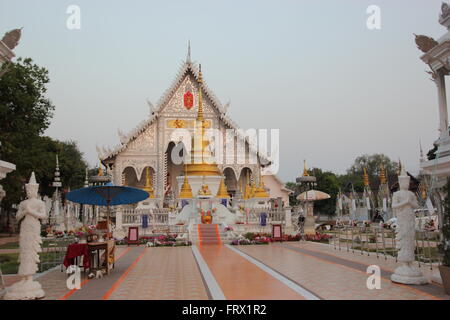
(403, 204)
(29, 213)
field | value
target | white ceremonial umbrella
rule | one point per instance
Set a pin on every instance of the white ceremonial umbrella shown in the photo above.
(313, 195)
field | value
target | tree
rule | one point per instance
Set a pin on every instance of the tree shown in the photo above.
(25, 113)
(40, 157)
(372, 163)
(327, 182)
(292, 196)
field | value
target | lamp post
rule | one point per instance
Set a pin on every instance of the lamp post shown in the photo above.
(305, 184)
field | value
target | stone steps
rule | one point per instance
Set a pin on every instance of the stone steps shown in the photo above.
(208, 234)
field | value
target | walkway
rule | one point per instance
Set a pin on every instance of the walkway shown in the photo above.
(287, 271)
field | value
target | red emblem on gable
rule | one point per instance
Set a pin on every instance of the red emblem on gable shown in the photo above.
(188, 100)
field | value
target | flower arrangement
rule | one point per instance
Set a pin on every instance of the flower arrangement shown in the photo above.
(318, 237)
(245, 241)
(292, 237)
(166, 240)
(429, 225)
(59, 234)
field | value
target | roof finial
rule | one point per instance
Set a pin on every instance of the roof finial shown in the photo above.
(305, 170)
(200, 76)
(188, 57)
(421, 151)
(200, 100)
(365, 177)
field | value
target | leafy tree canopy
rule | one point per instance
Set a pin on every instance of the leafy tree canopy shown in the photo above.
(25, 113)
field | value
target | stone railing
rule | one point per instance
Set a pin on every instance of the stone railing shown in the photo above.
(381, 242)
(273, 216)
(156, 217)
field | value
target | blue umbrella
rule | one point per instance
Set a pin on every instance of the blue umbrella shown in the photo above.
(107, 195)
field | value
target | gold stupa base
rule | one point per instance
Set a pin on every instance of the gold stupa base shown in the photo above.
(202, 169)
(196, 182)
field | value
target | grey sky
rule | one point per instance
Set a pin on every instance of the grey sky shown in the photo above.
(311, 68)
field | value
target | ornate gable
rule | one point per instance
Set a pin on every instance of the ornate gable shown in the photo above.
(144, 143)
(176, 105)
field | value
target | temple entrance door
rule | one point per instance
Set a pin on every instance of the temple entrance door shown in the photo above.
(173, 169)
(231, 181)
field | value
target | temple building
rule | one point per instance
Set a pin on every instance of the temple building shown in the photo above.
(147, 156)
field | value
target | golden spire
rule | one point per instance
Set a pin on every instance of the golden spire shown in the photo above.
(261, 192)
(222, 193)
(201, 162)
(100, 169)
(249, 188)
(382, 175)
(305, 171)
(366, 178)
(186, 190)
(200, 100)
(148, 183)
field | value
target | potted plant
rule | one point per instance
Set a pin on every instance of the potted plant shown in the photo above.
(444, 247)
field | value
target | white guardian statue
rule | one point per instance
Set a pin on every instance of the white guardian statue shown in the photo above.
(403, 204)
(30, 212)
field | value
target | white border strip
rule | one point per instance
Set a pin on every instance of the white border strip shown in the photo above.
(213, 286)
(303, 292)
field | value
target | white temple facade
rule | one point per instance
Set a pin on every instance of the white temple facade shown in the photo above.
(147, 150)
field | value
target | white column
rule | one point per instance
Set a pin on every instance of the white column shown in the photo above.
(119, 218)
(442, 98)
(288, 218)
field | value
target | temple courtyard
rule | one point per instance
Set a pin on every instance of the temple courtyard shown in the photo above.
(277, 271)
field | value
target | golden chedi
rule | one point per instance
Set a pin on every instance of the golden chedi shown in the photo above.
(260, 191)
(222, 193)
(186, 190)
(202, 163)
(366, 178)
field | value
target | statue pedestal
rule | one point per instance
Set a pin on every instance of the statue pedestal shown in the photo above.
(26, 289)
(408, 274)
(310, 220)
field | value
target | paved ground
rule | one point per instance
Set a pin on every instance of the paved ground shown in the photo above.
(289, 270)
